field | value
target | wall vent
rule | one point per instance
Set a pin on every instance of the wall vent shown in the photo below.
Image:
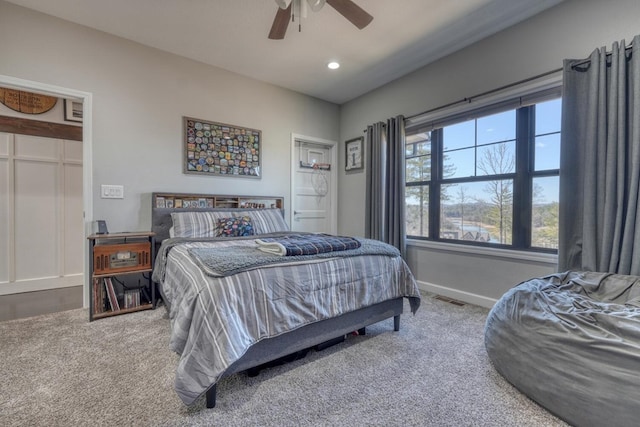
(449, 300)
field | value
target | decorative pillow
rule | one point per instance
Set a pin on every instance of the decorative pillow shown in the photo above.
(234, 227)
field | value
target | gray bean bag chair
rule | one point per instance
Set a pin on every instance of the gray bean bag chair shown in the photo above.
(571, 342)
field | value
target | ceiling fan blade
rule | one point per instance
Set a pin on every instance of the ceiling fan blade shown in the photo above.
(280, 23)
(354, 13)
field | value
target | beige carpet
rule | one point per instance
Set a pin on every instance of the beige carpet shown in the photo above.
(61, 370)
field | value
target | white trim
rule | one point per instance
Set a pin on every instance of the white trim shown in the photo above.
(41, 284)
(12, 209)
(333, 146)
(463, 296)
(540, 257)
(87, 150)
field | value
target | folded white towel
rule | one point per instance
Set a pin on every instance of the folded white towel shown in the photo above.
(273, 248)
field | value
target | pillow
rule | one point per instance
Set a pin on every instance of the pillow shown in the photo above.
(234, 227)
(196, 224)
(267, 220)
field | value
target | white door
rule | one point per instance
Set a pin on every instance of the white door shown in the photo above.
(313, 187)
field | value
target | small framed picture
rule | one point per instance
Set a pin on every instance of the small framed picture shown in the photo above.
(354, 154)
(72, 110)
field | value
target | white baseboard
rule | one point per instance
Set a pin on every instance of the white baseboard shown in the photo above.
(41, 284)
(459, 295)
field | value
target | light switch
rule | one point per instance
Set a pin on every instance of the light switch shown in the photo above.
(112, 191)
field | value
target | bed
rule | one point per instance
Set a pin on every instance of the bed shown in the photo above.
(233, 307)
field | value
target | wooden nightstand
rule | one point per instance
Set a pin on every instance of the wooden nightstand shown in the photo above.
(114, 260)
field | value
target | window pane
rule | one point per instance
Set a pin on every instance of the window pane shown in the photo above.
(461, 135)
(418, 157)
(418, 169)
(459, 163)
(417, 211)
(548, 116)
(544, 213)
(409, 150)
(547, 152)
(478, 211)
(418, 144)
(497, 127)
(497, 159)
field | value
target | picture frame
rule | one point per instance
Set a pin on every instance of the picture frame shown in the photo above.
(72, 110)
(354, 154)
(220, 149)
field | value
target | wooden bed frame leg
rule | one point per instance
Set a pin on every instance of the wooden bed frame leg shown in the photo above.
(396, 323)
(211, 397)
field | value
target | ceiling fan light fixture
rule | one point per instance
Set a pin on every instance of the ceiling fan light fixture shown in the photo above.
(333, 65)
(302, 8)
(316, 5)
(289, 10)
(283, 4)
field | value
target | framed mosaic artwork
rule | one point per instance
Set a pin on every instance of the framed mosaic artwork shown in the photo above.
(219, 149)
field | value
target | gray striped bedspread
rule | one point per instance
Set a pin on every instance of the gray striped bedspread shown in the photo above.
(215, 320)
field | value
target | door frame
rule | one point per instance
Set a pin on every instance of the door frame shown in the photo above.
(87, 152)
(333, 148)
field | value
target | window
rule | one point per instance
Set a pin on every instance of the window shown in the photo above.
(488, 177)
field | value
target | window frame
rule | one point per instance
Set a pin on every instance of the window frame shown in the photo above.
(522, 99)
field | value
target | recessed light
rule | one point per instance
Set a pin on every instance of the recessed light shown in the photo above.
(333, 65)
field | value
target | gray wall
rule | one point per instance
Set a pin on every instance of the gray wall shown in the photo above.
(572, 29)
(140, 95)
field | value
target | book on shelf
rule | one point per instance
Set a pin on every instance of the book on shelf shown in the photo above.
(103, 299)
(111, 294)
(98, 296)
(131, 298)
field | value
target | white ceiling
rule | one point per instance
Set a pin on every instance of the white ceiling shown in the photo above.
(232, 34)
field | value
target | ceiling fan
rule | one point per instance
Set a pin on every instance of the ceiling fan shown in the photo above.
(289, 10)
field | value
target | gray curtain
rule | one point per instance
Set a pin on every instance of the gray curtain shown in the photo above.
(600, 162)
(385, 204)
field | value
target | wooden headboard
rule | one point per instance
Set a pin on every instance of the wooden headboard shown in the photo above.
(163, 204)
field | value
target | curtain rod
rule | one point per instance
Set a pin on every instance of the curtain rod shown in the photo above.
(384, 125)
(588, 60)
(489, 92)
